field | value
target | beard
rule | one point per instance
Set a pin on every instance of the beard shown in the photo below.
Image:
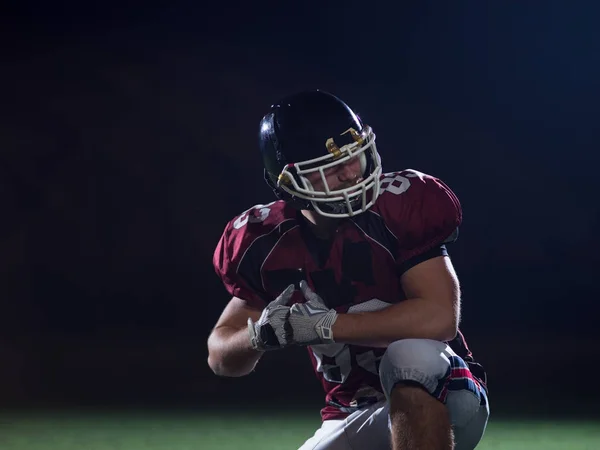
(341, 206)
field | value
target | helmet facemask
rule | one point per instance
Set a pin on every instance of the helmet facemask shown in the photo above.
(343, 202)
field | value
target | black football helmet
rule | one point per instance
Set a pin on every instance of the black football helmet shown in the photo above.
(310, 132)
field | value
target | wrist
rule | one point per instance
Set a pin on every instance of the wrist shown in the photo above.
(326, 327)
(342, 324)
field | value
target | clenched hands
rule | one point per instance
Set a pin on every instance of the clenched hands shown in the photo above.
(281, 326)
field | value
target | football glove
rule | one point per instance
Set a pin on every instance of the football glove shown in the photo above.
(272, 331)
(311, 322)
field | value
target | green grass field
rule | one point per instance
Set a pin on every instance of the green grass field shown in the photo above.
(188, 431)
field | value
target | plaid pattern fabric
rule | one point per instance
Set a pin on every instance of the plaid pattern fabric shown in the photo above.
(457, 378)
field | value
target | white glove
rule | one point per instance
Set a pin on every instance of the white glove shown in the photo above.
(311, 322)
(272, 331)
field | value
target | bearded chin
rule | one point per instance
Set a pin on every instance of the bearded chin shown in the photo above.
(339, 207)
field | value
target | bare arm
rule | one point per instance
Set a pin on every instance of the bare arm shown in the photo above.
(431, 311)
(229, 350)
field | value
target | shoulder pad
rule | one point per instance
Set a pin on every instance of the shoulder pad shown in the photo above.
(419, 209)
(237, 238)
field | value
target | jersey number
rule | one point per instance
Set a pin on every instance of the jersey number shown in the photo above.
(395, 183)
(334, 361)
(245, 217)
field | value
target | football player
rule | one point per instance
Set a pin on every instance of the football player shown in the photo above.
(351, 263)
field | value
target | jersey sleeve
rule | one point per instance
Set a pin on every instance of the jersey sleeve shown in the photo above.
(422, 212)
(227, 257)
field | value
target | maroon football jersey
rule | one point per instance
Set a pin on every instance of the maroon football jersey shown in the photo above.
(269, 247)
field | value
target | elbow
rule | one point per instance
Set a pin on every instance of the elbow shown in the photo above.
(218, 368)
(448, 333)
(222, 369)
(447, 328)
(214, 360)
(225, 359)
(215, 365)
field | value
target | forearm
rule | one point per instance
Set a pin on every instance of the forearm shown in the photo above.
(230, 353)
(412, 318)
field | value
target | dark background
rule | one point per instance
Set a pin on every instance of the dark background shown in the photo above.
(128, 140)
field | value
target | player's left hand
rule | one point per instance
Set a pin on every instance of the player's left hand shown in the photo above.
(271, 331)
(311, 322)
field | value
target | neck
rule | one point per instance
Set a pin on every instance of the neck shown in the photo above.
(321, 226)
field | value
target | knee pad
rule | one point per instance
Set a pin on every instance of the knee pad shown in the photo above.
(434, 366)
(413, 360)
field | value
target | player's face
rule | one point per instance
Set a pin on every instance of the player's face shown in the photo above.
(340, 176)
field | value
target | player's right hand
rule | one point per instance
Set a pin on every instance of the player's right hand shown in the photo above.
(272, 331)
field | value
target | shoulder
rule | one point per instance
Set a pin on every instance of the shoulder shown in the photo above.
(245, 243)
(413, 185)
(420, 209)
(257, 222)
